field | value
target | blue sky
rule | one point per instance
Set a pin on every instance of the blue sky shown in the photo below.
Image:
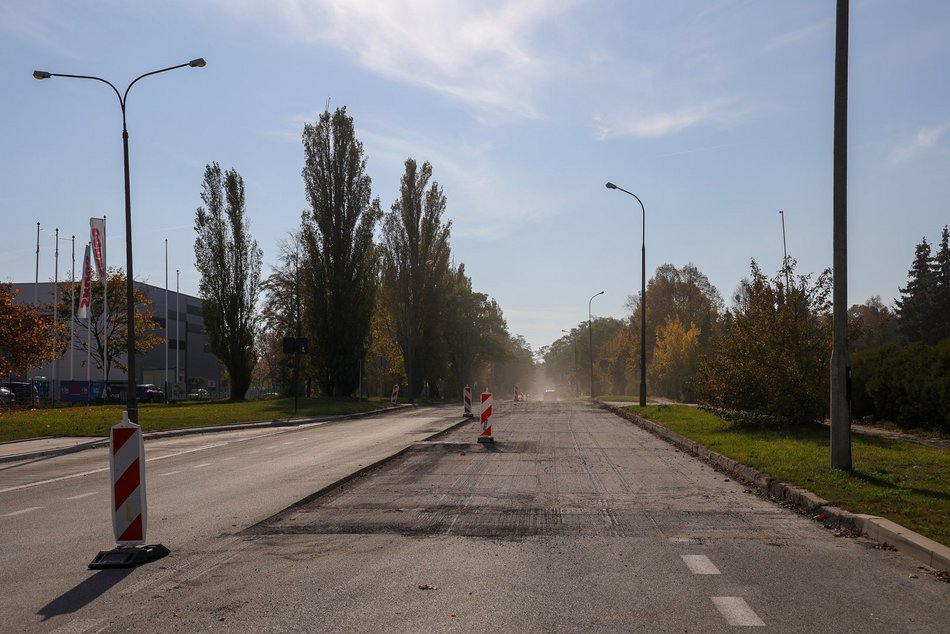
(717, 114)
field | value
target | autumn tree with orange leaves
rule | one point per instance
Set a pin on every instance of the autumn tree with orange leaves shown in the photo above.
(27, 339)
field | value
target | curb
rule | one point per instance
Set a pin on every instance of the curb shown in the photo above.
(880, 529)
(189, 431)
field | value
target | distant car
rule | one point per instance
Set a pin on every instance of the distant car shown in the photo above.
(25, 393)
(149, 393)
(550, 395)
(200, 394)
(7, 398)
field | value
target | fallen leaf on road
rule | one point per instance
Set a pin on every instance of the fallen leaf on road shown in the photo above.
(820, 517)
(426, 586)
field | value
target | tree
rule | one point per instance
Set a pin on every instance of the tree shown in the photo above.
(27, 339)
(416, 271)
(340, 262)
(106, 340)
(674, 359)
(475, 330)
(281, 317)
(917, 307)
(872, 325)
(772, 361)
(941, 271)
(229, 261)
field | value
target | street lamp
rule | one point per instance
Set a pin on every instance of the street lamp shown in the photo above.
(132, 406)
(590, 343)
(643, 299)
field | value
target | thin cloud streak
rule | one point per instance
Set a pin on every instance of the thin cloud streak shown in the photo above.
(926, 139)
(661, 124)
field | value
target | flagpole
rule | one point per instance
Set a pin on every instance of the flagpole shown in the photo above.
(105, 310)
(166, 321)
(177, 326)
(72, 311)
(55, 310)
(36, 280)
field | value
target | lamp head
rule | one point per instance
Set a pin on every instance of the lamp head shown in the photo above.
(198, 63)
(611, 186)
(40, 74)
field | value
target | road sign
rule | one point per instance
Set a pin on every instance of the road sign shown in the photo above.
(486, 418)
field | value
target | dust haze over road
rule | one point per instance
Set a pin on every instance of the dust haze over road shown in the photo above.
(575, 520)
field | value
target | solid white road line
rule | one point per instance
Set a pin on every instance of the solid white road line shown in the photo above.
(82, 495)
(737, 612)
(700, 565)
(22, 511)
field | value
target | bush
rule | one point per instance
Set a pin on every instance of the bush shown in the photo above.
(907, 385)
(771, 364)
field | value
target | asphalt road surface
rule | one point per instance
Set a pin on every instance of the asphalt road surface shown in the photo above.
(573, 521)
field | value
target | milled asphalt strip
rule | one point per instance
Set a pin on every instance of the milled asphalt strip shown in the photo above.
(880, 529)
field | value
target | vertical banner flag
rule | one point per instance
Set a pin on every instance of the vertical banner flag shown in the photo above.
(85, 293)
(97, 236)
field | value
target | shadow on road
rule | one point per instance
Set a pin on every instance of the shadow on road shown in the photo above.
(83, 594)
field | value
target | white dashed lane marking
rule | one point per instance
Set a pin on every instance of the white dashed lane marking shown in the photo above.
(700, 565)
(169, 473)
(203, 464)
(82, 495)
(737, 612)
(22, 511)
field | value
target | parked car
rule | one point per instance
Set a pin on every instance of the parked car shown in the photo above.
(149, 393)
(7, 398)
(200, 394)
(25, 392)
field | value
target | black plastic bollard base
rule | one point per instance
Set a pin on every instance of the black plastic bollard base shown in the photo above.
(486, 439)
(128, 556)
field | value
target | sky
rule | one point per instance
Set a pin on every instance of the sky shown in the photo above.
(717, 114)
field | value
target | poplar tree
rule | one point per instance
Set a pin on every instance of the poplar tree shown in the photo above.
(229, 261)
(339, 262)
(416, 271)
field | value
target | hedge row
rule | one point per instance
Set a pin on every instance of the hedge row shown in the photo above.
(907, 385)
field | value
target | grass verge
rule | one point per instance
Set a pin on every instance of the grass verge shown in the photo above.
(905, 482)
(96, 420)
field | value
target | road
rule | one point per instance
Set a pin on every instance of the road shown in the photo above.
(54, 512)
(574, 521)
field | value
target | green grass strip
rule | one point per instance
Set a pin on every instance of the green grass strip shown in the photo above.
(96, 420)
(905, 482)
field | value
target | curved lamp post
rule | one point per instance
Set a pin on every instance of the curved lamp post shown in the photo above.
(643, 299)
(590, 340)
(132, 406)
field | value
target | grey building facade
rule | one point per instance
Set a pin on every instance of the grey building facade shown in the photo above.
(180, 365)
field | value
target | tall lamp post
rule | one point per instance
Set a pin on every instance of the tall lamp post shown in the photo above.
(643, 299)
(131, 404)
(590, 340)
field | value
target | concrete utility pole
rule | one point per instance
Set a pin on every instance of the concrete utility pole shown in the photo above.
(840, 383)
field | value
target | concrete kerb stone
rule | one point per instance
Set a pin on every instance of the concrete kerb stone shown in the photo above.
(880, 529)
(171, 433)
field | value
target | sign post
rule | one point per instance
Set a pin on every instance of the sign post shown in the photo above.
(129, 511)
(486, 418)
(467, 402)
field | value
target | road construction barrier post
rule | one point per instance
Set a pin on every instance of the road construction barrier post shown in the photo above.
(395, 396)
(486, 418)
(129, 509)
(467, 401)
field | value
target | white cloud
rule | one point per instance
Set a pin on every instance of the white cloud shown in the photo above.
(486, 54)
(664, 123)
(925, 139)
(797, 36)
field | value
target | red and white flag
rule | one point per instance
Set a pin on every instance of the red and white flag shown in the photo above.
(97, 236)
(85, 294)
